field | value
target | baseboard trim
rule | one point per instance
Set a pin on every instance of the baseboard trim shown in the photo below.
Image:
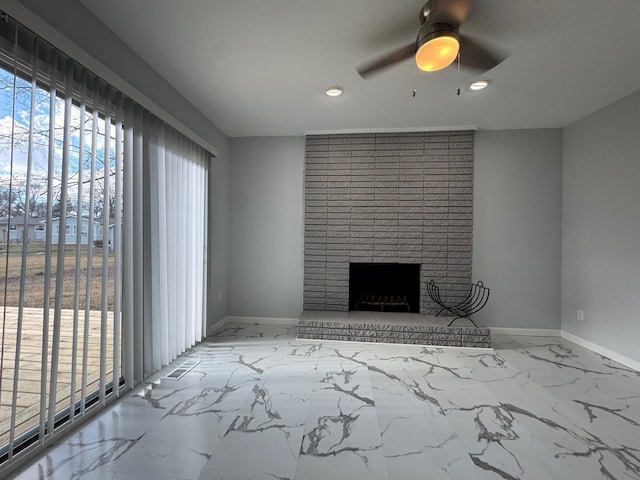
(217, 326)
(264, 320)
(604, 351)
(530, 332)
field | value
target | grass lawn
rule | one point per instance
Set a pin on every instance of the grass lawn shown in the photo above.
(35, 267)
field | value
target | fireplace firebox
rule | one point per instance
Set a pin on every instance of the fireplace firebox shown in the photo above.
(388, 287)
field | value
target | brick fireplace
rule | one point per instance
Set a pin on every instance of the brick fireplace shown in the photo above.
(404, 198)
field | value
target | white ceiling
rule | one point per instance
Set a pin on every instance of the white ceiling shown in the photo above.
(260, 67)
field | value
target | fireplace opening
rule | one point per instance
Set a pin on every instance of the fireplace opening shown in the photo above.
(386, 287)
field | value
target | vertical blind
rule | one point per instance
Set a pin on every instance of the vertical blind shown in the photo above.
(176, 170)
(103, 215)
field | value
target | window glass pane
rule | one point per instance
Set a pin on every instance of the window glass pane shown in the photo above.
(24, 281)
(62, 208)
(17, 117)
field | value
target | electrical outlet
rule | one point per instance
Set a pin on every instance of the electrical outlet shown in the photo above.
(580, 315)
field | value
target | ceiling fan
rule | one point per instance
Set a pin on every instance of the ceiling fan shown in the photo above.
(439, 42)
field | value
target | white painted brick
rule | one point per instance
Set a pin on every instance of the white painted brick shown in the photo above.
(386, 198)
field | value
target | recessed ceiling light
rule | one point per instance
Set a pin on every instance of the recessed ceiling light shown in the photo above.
(334, 91)
(480, 84)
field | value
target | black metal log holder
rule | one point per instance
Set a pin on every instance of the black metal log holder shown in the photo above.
(475, 301)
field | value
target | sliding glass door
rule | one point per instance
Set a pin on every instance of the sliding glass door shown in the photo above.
(103, 241)
(60, 218)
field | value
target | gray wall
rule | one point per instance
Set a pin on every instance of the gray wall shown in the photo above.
(218, 254)
(601, 227)
(517, 221)
(517, 226)
(266, 228)
(74, 30)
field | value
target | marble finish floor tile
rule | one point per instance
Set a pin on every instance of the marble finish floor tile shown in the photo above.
(262, 404)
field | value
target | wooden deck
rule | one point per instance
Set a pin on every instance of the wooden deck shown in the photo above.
(30, 366)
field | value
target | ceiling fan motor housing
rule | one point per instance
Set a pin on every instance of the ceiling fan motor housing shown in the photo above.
(438, 43)
(430, 30)
(437, 46)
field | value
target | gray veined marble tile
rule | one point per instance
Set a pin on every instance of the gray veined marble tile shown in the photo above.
(273, 417)
(262, 405)
(341, 436)
(77, 459)
(417, 437)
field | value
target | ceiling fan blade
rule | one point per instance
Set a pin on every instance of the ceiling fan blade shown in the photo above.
(479, 56)
(453, 12)
(387, 60)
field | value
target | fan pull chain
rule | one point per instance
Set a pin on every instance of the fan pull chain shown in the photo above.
(413, 92)
(458, 93)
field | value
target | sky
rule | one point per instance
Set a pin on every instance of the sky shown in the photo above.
(15, 124)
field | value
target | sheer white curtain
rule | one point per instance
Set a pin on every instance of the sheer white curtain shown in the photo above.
(165, 268)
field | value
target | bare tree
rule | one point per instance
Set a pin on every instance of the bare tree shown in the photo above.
(46, 177)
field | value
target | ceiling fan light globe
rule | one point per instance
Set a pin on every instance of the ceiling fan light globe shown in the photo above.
(437, 53)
